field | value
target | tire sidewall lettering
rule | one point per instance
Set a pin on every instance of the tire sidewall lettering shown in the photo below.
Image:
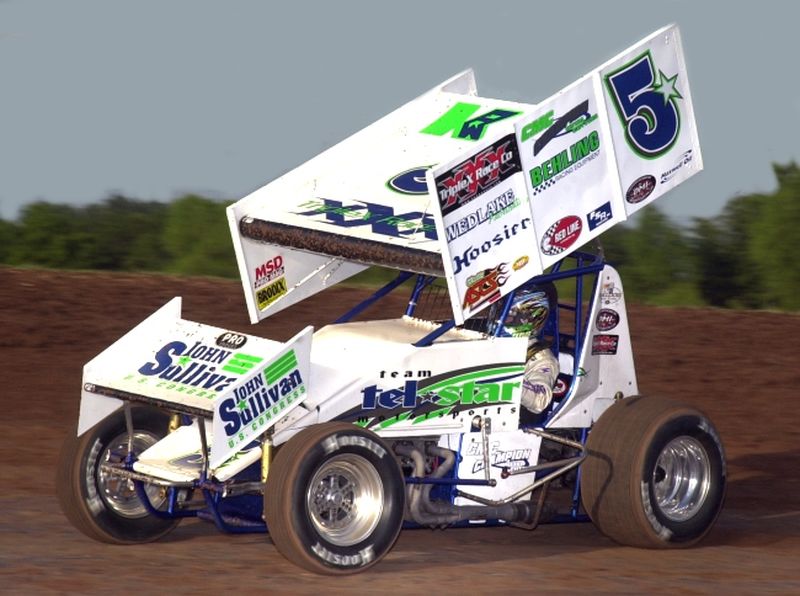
(362, 553)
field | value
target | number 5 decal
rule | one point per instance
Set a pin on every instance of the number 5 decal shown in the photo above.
(647, 106)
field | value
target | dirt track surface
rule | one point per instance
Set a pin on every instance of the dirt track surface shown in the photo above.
(740, 368)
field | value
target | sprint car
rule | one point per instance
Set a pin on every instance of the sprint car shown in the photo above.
(334, 441)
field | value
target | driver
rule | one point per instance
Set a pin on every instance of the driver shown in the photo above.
(526, 317)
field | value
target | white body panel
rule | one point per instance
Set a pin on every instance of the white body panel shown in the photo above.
(606, 367)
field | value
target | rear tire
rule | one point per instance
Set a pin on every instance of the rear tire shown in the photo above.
(654, 475)
(104, 507)
(334, 499)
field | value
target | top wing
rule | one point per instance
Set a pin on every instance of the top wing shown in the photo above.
(485, 192)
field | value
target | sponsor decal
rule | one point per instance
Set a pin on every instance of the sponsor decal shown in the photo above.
(561, 235)
(606, 319)
(336, 442)
(513, 459)
(361, 558)
(189, 460)
(410, 182)
(407, 374)
(270, 293)
(459, 123)
(443, 395)
(599, 216)
(201, 370)
(268, 271)
(610, 294)
(380, 218)
(485, 286)
(561, 387)
(462, 183)
(494, 209)
(641, 188)
(552, 127)
(472, 252)
(684, 159)
(646, 101)
(261, 399)
(605, 345)
(520, 262)
(544, 175)
(231, 340)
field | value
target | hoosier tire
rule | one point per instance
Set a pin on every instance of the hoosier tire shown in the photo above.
(334, 499)
(101, 506)
(654, 476)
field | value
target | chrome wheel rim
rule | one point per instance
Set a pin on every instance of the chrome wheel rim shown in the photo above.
(681, 478)
(118, 493)
(345, 499)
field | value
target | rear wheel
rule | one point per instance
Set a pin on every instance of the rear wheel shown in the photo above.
(654, 475)
(334, 499)
(102, 505)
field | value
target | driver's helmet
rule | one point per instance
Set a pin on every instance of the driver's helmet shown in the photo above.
(526, 316)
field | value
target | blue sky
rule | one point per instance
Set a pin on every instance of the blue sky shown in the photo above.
(156, 98)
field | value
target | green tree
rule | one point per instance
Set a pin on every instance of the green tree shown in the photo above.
(9, 234)
(772, 245)
(49, 236)
(197, 238)
(654, 259)
(127, 234)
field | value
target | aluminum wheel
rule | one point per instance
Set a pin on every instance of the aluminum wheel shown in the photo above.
(118, 493)
(681, 478)
(345, 499)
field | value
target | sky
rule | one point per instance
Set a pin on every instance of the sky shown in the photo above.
(154, 99)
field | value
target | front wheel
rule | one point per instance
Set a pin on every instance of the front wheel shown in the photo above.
(334, 499)
(104, 506)
(654, 475)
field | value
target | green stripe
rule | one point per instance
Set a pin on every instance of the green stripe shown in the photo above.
(241, 363)
(280, 367)
(242, 356)
(492, 372)
(276, 375)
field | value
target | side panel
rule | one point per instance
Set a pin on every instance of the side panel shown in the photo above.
(652, 118)
(486, 226)
(507, 451)
(399, 390)
(606, 362)
(278, 386)
(597, 151)
(570, 171)
(279, 277)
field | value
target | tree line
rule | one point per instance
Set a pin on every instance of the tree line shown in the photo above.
(742, 258)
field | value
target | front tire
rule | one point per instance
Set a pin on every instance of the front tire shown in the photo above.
(655, 474)
(103, 506)
(334, 499)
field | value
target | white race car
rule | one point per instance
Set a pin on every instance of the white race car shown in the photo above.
(504, 394)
